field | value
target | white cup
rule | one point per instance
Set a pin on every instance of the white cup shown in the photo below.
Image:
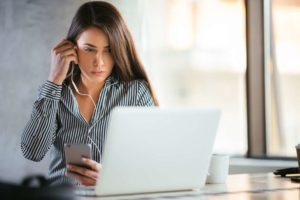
(218, 169)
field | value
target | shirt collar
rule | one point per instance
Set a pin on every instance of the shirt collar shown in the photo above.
(112, 79)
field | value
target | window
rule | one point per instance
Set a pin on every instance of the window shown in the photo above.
(195, 54)
(284, 88)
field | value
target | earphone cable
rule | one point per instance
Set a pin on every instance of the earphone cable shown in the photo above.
(76, 89)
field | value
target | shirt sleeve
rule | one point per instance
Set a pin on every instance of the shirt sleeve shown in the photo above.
(39, 133)
(144, 97)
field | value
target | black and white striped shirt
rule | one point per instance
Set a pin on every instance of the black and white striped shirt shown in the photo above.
(56, 120)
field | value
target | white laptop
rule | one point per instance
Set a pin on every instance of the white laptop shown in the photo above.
(157, 150)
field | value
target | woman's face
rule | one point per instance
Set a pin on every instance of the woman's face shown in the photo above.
(94, 55)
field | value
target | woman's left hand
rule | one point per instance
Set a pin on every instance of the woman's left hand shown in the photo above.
(86, 176)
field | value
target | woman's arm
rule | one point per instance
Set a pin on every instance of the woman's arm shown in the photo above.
(39, 132)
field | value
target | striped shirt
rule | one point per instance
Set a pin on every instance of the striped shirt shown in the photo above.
(56, 120)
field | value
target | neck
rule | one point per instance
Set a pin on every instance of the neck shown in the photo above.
(88, 87)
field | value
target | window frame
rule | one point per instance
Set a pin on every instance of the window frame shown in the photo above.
(260, 56)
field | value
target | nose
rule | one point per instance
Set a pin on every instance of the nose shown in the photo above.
(99, 60)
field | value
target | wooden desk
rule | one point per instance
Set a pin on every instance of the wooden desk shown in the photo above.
(253, 186)
(242, 186)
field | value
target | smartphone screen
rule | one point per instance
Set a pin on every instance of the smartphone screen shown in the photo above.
(75, 152)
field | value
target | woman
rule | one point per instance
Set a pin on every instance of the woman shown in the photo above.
(92, 71)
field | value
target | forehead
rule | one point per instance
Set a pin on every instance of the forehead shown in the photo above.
(94, 36)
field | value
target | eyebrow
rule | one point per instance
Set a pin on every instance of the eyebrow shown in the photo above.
(91, 45)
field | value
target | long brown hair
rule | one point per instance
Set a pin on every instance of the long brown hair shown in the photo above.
(105, 16)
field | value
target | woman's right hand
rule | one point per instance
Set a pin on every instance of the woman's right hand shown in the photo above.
(86, 176)
(61, 57)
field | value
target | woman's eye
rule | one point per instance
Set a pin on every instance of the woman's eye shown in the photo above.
(107, 50)
(89, 50)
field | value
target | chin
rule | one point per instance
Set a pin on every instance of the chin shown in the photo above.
(99, 79)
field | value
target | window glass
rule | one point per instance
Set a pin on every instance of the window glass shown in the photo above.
(195, 54)
(284, 123)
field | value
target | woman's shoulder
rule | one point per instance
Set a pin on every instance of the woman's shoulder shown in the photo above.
(135, 84)
(138, 91)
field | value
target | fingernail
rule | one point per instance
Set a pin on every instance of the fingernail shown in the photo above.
(83, 159)
(69, 166)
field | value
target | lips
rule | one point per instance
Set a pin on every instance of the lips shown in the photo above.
(98, 73)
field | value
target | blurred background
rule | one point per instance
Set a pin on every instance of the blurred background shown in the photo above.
(194, 51)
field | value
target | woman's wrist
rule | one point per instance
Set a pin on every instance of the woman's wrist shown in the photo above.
(56, 81)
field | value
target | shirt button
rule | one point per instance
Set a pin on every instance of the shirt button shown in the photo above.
(53, 92)
(45, 115)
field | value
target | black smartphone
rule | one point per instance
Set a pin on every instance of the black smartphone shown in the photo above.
(295, 179)
(291, 171)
